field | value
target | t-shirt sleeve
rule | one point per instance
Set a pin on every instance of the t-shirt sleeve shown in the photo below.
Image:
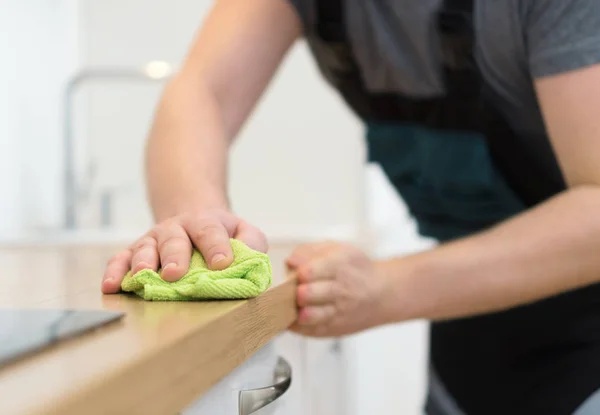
(561, 35)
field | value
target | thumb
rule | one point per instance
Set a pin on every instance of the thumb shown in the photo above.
(212, 240)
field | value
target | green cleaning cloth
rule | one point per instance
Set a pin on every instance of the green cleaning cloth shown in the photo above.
(249, 275)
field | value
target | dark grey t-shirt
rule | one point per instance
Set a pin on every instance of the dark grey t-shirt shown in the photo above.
(397, 49)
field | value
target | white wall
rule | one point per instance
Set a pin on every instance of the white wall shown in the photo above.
(299, 131)
(10, 147)
(38, 49)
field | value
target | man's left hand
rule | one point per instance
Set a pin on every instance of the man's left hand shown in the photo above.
(339, 291)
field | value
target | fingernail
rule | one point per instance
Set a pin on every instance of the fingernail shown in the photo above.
(170, 265)
(218, 258)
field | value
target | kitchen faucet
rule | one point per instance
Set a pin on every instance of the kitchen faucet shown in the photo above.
(153, 71)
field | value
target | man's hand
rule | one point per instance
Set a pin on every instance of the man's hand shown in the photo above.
(339, 290)
(168, 245)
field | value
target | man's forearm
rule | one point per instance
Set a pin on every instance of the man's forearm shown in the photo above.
(187, 152)
(547, 250)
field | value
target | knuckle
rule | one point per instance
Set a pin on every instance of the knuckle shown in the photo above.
(170, 222)
(323, 291)
(188, 220)
(300, 249)
(338, 248)
(332, 291)
(173, 240)
(207, 231)
(166, 226)
(309, 292)
(304, 273)
(145, 242)
(338, 295)
(340, 256)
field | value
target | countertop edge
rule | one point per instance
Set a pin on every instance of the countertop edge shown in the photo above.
(158, 384)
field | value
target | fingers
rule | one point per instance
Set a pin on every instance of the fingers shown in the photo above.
(316, 293)
(305, 253)
(251, 236)
(175, 251)
(301, 255)
(321, 268)
(145, 255)
(317, 315)
(116, 269)
(169, 246)
(212, 239)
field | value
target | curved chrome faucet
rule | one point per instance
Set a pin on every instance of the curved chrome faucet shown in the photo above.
(154, 71)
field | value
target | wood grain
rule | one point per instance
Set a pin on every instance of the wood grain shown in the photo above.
(157, 360)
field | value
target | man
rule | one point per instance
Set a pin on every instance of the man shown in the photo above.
(484, 115)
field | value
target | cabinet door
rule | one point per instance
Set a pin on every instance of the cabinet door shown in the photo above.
(293, 348)
(318, 382)
(224, 398)
(325, 377)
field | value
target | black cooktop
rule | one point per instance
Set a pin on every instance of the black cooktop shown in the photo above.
(26, 331)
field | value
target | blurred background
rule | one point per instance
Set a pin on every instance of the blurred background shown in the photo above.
(79, 81)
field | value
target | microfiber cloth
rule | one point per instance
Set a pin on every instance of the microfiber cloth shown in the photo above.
(249, 275)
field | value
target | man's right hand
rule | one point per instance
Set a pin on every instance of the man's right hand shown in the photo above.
(234, 56)
(168, 245)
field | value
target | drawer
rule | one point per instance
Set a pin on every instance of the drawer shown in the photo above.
(263, 378)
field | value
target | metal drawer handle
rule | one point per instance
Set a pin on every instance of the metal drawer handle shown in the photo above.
(252, 400)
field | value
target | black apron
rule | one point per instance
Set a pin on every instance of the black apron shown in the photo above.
(461, 168)
(454, 159)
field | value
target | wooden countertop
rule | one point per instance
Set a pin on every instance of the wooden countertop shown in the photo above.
(156, 360)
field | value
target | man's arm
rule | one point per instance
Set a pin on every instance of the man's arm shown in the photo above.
(232, 59)
(234, 56)
(547, 250)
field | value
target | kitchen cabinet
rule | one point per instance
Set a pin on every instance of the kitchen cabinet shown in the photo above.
(325, 375)
(318, 386)
(257, 372)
